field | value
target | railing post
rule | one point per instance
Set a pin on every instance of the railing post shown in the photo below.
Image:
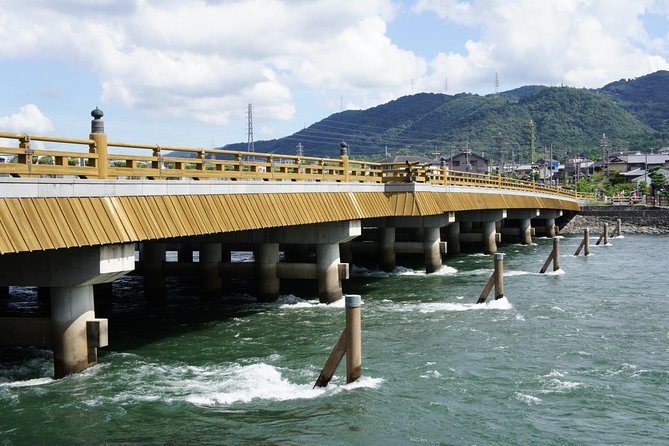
(100, 143)
(343, 154)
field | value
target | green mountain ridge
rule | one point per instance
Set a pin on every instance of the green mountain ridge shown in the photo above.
(633, 114)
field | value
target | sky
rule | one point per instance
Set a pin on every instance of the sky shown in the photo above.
(183, 72)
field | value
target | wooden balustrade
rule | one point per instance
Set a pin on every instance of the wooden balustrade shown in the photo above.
(81, 158)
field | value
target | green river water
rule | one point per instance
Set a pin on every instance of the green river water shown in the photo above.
(580, 357)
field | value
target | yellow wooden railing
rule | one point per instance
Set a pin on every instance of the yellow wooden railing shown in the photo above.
(98, 158)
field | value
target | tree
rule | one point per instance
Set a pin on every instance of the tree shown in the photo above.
(658, 180)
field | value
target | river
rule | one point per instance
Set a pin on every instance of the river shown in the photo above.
(577, 357)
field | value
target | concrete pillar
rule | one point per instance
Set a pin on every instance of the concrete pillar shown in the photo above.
(211, 284)
(525, 231)
(154, 276)
(550, 227)
(431, 240)
(185, 253)
(387, 258)
(71, 307)
(266, 261)
(489, 232)
(327, 264)
(453, 238)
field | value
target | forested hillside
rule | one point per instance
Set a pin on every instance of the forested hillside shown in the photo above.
(633, 114)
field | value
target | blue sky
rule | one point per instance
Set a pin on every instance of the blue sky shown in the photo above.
(175, 72)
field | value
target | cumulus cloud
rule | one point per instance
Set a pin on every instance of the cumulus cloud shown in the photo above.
(29, 119)
(584, 43)
(207, 60)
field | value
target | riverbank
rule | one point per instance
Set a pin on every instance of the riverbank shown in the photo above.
(634, 219)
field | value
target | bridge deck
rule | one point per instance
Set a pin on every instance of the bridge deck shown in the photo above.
(50, 214)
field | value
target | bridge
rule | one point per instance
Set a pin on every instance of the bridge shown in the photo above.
(76, 214)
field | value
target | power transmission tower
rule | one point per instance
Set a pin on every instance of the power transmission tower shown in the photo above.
(496, 83)
(300, 149)
(533, 138)
(251, 146)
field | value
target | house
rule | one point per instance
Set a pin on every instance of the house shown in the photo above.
(468, 162)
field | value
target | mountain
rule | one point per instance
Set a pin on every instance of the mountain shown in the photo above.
(633, 114)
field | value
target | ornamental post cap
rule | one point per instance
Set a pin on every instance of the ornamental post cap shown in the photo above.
(97, 113)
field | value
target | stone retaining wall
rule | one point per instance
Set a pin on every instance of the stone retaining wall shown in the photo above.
(634, 219)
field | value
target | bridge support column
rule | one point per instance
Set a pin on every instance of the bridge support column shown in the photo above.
(70, 275)
(387, 258)
(71, 308)
(211, 284)
(266, 261)
(154, 275)
(453, 238)
(524, 218)
(327, 271)
(431, 240)
(489, 231)
(185, 253)
(488, 220)
(549, 216)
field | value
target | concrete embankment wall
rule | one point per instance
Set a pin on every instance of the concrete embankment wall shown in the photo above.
(634, 219)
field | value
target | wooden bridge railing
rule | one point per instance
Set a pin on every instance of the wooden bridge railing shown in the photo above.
(98, 158)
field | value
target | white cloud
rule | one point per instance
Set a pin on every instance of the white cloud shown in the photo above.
(29, 119)
(207, 60)
(584, 43)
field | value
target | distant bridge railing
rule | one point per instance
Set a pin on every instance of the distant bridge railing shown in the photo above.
(98, 158)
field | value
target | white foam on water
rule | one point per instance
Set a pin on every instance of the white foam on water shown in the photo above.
(28, 383)
(559, 272)
(220, 385)
(298, 303)
(527, 399)
(431, 374)
(434, 307)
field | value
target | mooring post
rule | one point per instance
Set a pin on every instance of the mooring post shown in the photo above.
(496, 280)
(353, 337)
(585, 243)
(499, 275)
(554, 257)
(618, 227)
(349, 344)
(606, 234)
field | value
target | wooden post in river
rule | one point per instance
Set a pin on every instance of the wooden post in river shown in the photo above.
(585, 243)
(496, 280)
(349, 344)
(604, 236)
(554, 257)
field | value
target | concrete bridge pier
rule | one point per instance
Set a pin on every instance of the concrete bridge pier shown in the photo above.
(524, 218)
(327, 272)
(453, 238)
(211, 284)
(185, 252)
(72, 331)
(549, 216)
(488, 232)
(327, 238)
(71, 308)
(153, 269)
(266, 262)
(386, 249)
(429, 228)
